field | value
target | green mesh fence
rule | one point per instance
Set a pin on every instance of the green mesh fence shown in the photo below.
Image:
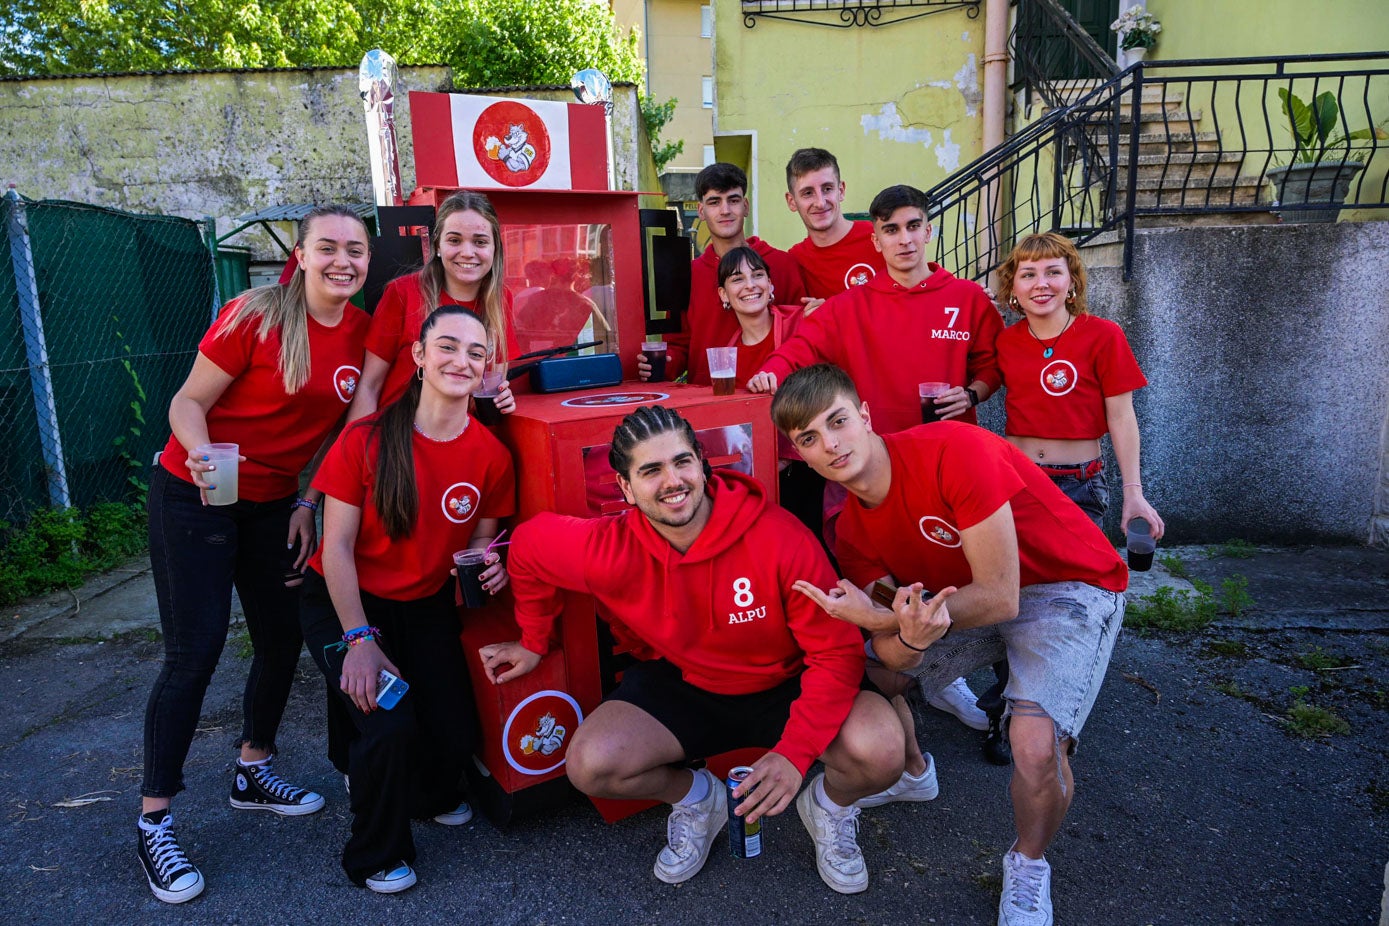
(122, 300)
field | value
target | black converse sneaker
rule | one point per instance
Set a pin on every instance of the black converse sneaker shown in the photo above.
(171, 876)
(257, 787)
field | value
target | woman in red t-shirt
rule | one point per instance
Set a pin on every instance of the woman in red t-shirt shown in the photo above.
(406, 489)
(745, 289)
(274, 375)
(465, 268)
(1070, 379)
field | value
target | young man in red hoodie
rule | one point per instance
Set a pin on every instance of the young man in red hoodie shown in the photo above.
(915, 323)
(723, 208)
(837, 253)
(956, 508)
(696, 582)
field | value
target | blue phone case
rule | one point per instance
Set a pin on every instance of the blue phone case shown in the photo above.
(389, 690)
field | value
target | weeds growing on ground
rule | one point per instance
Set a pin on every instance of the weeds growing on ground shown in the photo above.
(1230, 648)
(1236, 549)
(1234, 595)
(1171, 609)
(1318, 660)
(1310, 721)
(1174, 564)
(59, 547)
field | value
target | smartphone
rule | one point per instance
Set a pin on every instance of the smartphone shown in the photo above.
(389, 690)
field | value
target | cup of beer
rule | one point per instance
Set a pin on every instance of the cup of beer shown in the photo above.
(723, 369)
(928, 393)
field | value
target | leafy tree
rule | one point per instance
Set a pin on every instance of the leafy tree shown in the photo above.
(657, 116)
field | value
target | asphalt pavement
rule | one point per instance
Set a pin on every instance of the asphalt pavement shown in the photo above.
(1197, 799)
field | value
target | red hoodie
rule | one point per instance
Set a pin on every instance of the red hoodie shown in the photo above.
(889, 339)
(723, 612)
(705, 324)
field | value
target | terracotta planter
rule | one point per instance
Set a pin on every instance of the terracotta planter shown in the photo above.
(1327, 182)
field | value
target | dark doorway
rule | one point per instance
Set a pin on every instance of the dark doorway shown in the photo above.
(1094, 17)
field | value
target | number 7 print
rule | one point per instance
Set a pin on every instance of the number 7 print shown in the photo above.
(954, 312)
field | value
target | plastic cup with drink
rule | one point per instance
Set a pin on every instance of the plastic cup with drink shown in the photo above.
(485, 399)
(655, 353)
(225, 478)
(928, 393)
(471, 564)
(1141, 545)
(723, 369)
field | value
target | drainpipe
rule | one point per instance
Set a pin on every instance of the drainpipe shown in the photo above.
(995, 111)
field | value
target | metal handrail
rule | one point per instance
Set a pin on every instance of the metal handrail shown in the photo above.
(1214, 139)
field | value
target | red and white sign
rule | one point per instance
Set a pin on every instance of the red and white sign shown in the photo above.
(485, 142)
(536, 737)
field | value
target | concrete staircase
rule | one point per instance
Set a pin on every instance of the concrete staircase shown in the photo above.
(1179, 163)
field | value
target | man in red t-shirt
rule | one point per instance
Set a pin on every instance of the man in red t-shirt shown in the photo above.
(696, 583)
(723, 208)
(958, 509)
(836, 253)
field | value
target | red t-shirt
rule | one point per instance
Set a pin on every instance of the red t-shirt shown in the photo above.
(395, 327)
(459, 482)
(850, 261)
(1062, 397)
(706, 324)
(785, 318)
(279, 433)
(889, 339)
(948, 477)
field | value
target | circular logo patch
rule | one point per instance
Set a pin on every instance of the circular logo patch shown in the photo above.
(536, 736)
(1059, 377)
(858, 275)
(939, 532)
(511, 143)
(345, 380)
(460, 502)
(606, 399)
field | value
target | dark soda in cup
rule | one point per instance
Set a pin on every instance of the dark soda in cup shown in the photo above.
(655, 352)
(471, 564)
(928, 393)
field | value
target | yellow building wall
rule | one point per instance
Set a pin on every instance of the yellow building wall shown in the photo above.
(678, 58)
(1242, 28)
(895, 104)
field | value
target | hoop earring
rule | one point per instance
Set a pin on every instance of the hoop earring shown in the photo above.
(1013, 302)
(1071, 296)
(419, 373)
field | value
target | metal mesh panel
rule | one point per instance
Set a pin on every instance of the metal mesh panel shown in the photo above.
(121, 302)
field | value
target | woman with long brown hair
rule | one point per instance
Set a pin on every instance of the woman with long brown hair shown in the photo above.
(274, 375)
(406, 489)
(466, 267)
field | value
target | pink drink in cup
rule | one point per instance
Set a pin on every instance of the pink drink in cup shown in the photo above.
(225, 478)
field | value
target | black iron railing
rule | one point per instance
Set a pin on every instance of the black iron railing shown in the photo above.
(1052, 54)
(1301, 136)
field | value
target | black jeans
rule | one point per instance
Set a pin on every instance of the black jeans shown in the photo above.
(198, 552)
(406, 762)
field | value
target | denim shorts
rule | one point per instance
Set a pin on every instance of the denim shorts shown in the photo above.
(1092, 495)
(1058, 648)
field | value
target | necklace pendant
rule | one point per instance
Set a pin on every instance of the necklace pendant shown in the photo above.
(1046, 354)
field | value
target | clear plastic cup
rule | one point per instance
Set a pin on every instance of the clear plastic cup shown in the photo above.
(655, 353)
(225, 479)
(1141, 545)
(723, 369)
(471, 564)
(928, 393)
(485, 399)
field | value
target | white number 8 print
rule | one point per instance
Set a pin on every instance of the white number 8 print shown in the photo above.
(742, 592)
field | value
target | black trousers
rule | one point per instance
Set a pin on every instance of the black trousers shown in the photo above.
(406, 762)
(198, 552)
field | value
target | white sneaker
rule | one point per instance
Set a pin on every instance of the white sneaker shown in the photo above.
(907, 788)
(1026, 899)
(456, 817)
(957, 698)
(690, 832)
(837, 855)
(392, 880)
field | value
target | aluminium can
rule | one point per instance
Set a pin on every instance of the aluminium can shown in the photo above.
(744, 839)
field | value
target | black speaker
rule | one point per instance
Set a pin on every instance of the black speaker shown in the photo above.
(565, 373)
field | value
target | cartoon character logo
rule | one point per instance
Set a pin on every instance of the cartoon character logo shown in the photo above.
(615, 398)
(1059, 377)
(939, 531)
(858, 275)
(535, 735)
(511, 143)
(345, 382)
(460, 502)
(513, 151)
(546, 739)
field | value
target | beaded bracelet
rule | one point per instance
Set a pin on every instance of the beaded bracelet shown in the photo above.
(305, 503)
(361, 635)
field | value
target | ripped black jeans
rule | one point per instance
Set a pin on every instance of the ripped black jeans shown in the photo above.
(198, 553)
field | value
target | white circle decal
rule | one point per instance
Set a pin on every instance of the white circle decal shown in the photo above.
(1059, 377)
(461, 502)
(543, 723)
(345, 380)
(858, 275)
(939, 531)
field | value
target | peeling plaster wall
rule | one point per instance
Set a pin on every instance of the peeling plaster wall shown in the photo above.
(895, 104)
(219, 144)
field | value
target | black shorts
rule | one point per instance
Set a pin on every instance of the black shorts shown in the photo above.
(704, 722)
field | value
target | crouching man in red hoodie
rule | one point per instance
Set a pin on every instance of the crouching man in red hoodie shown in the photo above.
(697, 583)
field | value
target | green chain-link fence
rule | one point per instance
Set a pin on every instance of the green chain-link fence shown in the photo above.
(100, 316)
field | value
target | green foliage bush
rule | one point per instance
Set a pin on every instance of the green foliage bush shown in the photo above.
(60, 547)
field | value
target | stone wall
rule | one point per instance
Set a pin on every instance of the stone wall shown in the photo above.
(215, 143)
(1267, 352)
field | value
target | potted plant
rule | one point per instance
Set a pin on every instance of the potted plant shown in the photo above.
(1138, 31)
(1323, 165)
